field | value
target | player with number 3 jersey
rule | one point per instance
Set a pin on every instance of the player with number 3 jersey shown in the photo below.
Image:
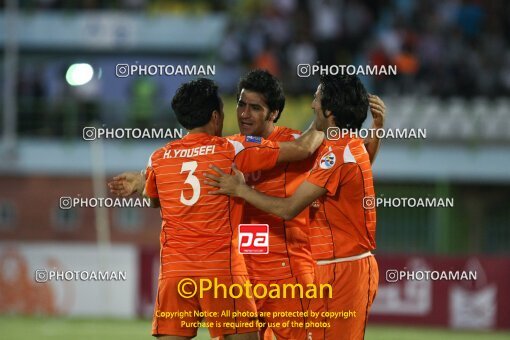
(198, 235)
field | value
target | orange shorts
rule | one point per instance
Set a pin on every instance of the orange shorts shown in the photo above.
(288, 304)
(354, 288)
(219, 317)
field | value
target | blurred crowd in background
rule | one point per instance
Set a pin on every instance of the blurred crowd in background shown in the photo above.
(442, 48)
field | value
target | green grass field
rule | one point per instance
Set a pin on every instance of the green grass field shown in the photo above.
(15, 328)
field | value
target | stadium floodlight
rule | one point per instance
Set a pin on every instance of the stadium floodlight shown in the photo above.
(79, 74)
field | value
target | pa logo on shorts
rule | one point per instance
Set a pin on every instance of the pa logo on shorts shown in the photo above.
(327, 161)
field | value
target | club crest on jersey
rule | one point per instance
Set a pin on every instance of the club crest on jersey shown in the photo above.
(254, 139)
(327, 161)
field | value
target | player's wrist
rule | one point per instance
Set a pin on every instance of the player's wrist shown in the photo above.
(242, 190)
(377, 125)
(140, 183)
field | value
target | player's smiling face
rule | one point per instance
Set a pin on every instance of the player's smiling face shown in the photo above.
(253, 116)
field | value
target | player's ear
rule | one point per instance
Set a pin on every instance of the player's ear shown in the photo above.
(272, 115)
(215, 116)
(327, 113)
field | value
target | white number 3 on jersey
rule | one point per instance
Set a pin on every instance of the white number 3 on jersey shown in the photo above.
(191, 180)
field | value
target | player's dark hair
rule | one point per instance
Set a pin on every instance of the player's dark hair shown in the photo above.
(346, 97)
(263, 82)
(195, 101)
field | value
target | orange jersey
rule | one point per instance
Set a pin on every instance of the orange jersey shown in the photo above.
(339, 224)
(289, 248)
(199, 231)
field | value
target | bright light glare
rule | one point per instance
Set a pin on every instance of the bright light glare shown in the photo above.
(79, 74)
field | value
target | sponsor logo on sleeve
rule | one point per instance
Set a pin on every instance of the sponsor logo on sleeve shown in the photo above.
(327, 161)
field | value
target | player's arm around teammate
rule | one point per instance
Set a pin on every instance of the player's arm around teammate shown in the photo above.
(288, 208)
(133, 182)
(301, 148)
(129, 183)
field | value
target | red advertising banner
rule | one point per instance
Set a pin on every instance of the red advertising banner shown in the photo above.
(149, 272)
(468, 292)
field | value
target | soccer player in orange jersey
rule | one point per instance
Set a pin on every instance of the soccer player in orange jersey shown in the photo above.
(260, 103)
(342, 230)
(198, 237)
